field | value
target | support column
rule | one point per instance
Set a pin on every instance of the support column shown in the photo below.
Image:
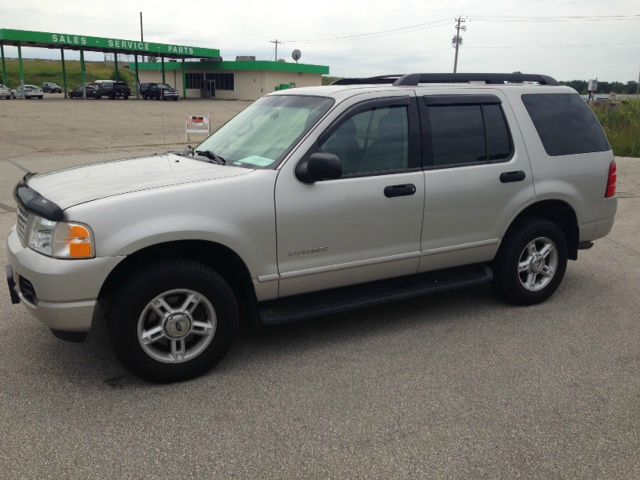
(64, 73)
(184, 81)
(84, 75)
(21, 67)
(115, 60)
(162, 62)
(4, 67)
(135, 58)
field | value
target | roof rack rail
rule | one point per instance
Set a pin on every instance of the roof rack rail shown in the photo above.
(381, 79)
(414, 79)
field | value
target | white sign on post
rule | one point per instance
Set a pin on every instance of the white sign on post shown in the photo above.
(198, 124)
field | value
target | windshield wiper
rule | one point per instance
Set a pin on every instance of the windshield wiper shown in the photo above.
(211, 156)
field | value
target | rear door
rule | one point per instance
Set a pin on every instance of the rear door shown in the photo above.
(477, 176)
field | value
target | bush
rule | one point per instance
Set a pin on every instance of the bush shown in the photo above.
(621, 123)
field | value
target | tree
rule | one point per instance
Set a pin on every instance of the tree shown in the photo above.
(579, 86)
(631, 87)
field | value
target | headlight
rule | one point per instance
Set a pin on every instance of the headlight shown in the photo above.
(60, 239)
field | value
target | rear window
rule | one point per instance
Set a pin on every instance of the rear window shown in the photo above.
(565, 123)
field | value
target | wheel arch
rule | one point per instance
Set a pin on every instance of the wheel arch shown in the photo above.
(215, 255)
(557, 211)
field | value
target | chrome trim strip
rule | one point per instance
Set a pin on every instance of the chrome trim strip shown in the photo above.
(461, 246)
(347, 265)
(268, 278)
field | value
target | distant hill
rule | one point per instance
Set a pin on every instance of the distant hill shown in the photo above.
(37, 71)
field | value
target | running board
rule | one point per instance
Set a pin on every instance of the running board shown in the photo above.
(310, 305)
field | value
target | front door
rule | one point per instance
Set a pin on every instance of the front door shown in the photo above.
(366, 225)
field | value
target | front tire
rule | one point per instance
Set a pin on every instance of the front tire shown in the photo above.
(531, 262)
(173, 321)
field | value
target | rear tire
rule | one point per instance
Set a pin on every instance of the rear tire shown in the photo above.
(531, 262)
(159, 334)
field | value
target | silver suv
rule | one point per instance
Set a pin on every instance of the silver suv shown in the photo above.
(314, 201)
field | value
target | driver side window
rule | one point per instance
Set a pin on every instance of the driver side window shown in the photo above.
(372, 141)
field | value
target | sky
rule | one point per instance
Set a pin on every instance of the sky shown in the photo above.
(367, 37)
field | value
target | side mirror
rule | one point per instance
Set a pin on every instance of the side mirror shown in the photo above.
(319, 166)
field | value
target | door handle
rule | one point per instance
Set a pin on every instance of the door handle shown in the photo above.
(399, 190)
(517, 176)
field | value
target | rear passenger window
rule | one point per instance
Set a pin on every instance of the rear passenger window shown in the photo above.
(457, 134)
(468, 134)
(565, 124)
(498, 138)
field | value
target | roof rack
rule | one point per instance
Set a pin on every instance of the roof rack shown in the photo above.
(381, 79)
(414, 79)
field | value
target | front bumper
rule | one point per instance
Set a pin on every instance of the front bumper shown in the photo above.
(62, 294)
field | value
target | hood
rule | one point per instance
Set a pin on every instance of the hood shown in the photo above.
(73, 186)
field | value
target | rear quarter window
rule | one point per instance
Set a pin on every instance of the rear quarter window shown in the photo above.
(565, 123)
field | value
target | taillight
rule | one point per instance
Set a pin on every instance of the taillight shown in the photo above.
(612, 181)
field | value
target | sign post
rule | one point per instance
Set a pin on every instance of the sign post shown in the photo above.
(592, 88)
(197, 124)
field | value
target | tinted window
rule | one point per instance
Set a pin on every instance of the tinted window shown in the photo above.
(457, 133)
(376, 140)
(565, 123)
(498, 138)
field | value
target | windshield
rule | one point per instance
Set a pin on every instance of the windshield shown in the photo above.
(262, 134)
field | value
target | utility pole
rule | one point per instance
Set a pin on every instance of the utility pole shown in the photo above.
(276, 42)
(141, 31)
(456, 41)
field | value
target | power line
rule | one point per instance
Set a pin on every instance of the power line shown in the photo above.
(555, 18)
(558, 45)
(479, 18)
(379, 33)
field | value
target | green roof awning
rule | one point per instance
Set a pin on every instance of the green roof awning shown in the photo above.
(73, 41)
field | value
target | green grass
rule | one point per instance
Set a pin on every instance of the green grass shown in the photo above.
(621, 122)
(38, 71)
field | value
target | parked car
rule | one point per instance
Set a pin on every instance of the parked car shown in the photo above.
(315, 201)
(50, 87)
(158, 91)
(5, 92)
(111, 89)
(91, 91)
(28, 92)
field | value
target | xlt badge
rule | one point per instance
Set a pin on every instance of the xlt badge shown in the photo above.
(307, 251)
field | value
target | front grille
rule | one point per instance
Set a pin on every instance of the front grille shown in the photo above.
(27, 290)
(21, 223)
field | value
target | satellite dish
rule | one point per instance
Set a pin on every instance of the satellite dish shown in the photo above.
(296, 54)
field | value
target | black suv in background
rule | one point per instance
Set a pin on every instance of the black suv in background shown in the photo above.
(160, 91)
(77, 92)
(111, 89)
(51, 87)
